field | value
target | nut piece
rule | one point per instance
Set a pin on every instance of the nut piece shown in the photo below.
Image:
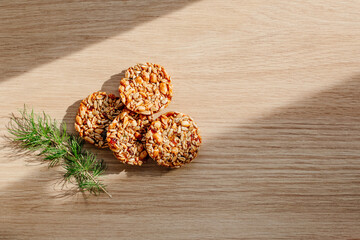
(126, 137)
(89, 140)
(139, 80)
(78, 120)
(157, 124)
(94, 115)
(99, 130)
(157, 137)
(153, 78)
(141, 109)
(163, 88)
(124, 82)
(146, 88)
(174, 150)
(155, 153)
(175, 142)
(143, 155)
(125, 121)
(185, 123)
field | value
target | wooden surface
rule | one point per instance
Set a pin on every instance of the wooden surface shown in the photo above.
(273, 85)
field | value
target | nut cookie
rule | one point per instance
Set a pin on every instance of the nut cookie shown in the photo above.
(146, 88)
(95, 114)
(173, 139)
(126, 137)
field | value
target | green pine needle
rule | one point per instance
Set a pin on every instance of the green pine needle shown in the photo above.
(40, 132)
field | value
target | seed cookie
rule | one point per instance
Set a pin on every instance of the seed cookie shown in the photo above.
(126, 137)
(173, 139)
(146, 88)
(95, 114)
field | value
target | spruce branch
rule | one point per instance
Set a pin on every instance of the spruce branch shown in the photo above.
(38, 132)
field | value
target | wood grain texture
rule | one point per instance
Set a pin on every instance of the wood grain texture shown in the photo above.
(273, 85)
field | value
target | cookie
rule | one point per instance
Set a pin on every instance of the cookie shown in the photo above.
(95, 114)
(173, 139)
(146, 88)
(126, 137)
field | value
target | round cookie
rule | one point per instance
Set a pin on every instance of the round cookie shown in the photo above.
(95, 114)
(173, 139)
(146, 88)
(126, 137)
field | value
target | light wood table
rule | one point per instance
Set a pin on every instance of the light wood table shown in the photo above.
(273, 85)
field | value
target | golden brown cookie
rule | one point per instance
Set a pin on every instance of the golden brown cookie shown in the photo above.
(95, 114)
(126, 137)
(146, 88)
(173, 139)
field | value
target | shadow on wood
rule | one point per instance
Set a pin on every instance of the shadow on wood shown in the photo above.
(303, 158)
(112, 84)
(53, 29)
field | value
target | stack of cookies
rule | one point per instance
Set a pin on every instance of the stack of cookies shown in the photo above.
(126, 124)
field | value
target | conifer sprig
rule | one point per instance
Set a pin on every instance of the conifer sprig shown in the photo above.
(38, 132)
